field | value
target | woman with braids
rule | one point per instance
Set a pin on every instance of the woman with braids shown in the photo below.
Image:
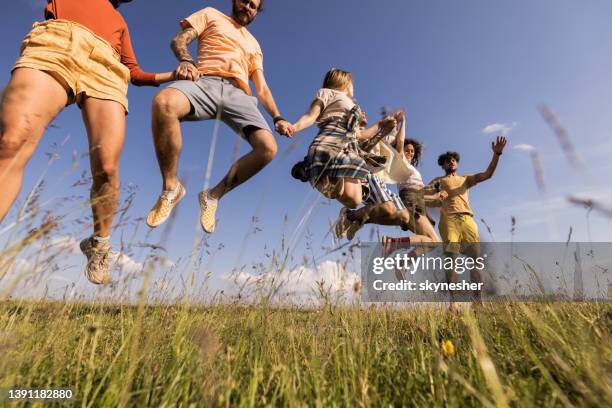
(335, 165)
(81, 54)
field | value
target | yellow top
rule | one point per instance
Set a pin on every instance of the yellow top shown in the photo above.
(457, 188)
(225, 48)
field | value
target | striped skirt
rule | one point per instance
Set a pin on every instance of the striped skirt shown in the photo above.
(334, 153)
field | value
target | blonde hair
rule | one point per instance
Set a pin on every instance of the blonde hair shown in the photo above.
(337, 79)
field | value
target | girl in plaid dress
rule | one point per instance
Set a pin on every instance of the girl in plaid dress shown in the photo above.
(334, 165)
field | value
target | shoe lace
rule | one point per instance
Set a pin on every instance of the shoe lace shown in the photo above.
(100, 258)
(165, 196)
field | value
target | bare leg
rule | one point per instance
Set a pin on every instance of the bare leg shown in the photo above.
(264, 150)
(351, 194)
(422, 226)
(105, 124)
(381, 214)
(346, 190)
(31, 100)
(169, 107)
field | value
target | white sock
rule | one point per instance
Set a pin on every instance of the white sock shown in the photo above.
(209, 197)
(100, 240)
(172, 194)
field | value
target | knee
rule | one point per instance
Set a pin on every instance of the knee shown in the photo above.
(11, 143)
(107, 173)
(404, 217)
(388, 210)
(165, 104)
(267, 151)
(352, 202)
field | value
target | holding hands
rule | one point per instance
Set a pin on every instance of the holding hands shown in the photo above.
(187, 70)
(387, 124)
(400, 116)
(284, 128)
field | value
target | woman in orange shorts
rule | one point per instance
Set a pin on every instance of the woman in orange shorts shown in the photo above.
(82, 53)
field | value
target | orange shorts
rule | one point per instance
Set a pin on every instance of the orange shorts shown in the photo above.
(81, 61)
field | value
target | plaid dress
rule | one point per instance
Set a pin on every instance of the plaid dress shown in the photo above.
(334, 153)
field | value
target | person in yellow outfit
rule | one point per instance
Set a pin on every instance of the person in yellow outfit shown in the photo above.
(458, 230)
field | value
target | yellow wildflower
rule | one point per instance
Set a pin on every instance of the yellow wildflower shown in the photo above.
(448, 348)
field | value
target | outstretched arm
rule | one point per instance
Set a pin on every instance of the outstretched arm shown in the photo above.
(137, 76)
(267, 100)
(498, 148)
(309, 118)
(187, 68)
(384, 127)
(401, 135)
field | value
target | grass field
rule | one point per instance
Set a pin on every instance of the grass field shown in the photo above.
(124, 352)
(557, 354)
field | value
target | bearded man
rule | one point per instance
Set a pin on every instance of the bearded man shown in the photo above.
(216, 85)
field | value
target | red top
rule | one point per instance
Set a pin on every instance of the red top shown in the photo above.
(101, 17)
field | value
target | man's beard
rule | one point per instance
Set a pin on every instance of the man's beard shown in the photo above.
(241, 18)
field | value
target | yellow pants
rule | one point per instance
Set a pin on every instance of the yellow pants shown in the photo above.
(80, 60)
(459, 233)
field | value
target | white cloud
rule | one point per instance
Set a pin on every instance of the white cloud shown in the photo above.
(67, 243)
(557, 207)
(524, 147)
(25, 266)
(302, 283)
(499, 128)
(125, 263)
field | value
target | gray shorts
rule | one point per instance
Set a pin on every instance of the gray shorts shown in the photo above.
(209, 93)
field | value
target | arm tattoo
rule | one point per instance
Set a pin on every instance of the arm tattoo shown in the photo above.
(181, 41)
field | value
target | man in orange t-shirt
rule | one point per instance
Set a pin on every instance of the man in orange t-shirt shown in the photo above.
(216, 86)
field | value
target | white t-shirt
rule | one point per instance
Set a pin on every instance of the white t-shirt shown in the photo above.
(414, 181)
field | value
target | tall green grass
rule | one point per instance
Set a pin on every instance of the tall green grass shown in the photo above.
(506, 355)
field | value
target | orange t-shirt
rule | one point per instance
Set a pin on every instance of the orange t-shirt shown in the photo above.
(102, 19)
(225, 48)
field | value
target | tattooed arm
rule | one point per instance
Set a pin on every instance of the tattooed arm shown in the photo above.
(187, 68)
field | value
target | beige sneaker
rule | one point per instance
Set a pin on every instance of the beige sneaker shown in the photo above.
(208, 208)
(163, 208)
(97, 269)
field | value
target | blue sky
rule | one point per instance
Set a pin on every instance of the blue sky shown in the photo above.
(456, 67)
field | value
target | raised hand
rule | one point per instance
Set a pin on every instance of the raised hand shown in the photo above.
(498, 145)
(400, 115)
(187, 71)
(387, 124)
